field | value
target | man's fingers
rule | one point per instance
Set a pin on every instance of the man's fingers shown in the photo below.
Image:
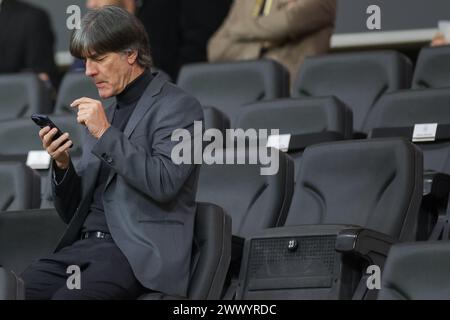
(47, 139)
(43, 132)
(57, 143)
(79, 101)
(61, 149)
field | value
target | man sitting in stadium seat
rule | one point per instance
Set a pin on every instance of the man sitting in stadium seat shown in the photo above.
(283, 30)
(130, 209)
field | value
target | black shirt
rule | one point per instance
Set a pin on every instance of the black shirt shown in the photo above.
(126, 102)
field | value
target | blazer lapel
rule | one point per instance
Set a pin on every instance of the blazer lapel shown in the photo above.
(144, 104)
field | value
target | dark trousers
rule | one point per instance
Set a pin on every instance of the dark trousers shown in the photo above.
(105, 274)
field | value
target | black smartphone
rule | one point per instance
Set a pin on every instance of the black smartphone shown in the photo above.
(44, 121)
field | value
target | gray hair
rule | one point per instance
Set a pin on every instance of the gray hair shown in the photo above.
(111, 29)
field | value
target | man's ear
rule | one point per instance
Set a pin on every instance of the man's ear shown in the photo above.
(132, 56)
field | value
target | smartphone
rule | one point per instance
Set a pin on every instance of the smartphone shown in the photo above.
(44, 121)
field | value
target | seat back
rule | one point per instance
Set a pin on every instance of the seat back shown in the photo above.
(375, 184)
(20, 187)
(228, 86)
(254, 201)
(23, 94)
(26, 236)
(357, 79)
(308, 120)
(213, 118)
(397, 113)
(73, 86)
(417, 271)
(432, 68)
(212, 253)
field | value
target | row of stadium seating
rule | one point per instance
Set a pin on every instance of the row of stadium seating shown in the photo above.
(314, 239)
(358, 79)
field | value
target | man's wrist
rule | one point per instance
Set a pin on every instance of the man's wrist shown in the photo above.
(102, 132)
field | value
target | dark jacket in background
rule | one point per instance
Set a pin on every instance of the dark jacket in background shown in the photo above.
(179, 30)
(160, 19)
(199, 19)
(26, 40)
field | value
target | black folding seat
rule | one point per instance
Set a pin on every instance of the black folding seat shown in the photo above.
(432, 68)
(211, 256)
(19, 136)
(417, 271)
(352, 200)
(23, 94)
(230, 85)
(25, 236)
(73, 86)
(254, 201)
(29, 235)
(396, 115)
(213, 118)
(357, 79)
(20, 187)
(308, 120)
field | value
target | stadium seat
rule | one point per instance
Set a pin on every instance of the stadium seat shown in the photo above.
(213, 118)
(351, 202)
(28, 235)
(417, 271)
(73, 86)
(308, 120)
(19, 136)
(76, 85)
(20, 187)
(432, 68)
(23, 94)
(253, 201)
(357, 79)
(211, 257)
(228, 86)
(395, 115)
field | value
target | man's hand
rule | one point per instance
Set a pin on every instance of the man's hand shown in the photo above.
(92, 115)
(57, 149)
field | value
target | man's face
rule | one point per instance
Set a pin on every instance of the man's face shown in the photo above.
(110, 72)
(95, 4)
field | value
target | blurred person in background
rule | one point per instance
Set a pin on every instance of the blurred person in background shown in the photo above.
(26, 41)
(284, 30)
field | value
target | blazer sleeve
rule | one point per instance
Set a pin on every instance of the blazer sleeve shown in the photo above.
(66, 192)
(289, 21)
(153, 173)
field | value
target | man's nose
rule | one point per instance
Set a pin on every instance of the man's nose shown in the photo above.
(91, 69)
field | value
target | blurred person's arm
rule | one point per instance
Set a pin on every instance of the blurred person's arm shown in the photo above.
(223, 45)
(291, 20)
(439, 40)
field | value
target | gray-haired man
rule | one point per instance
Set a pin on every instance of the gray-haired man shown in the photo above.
(130, 209)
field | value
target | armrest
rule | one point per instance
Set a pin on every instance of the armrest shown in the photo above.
(436, 184)
(371, 245)
(237, 250)
(11, 287)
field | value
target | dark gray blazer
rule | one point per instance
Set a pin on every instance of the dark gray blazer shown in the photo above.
(149, 201)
